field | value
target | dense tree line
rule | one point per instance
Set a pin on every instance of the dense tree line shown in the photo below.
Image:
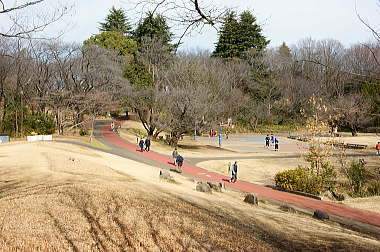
(65, 82)
(66, 86)
(345, 80)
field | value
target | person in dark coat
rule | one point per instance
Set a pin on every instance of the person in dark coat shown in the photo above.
(276, 144)
(147, 144)
(179, 161)
(234, 173)
(141, 144)
(267, 139)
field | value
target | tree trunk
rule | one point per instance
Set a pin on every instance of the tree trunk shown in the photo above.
(354, 131)
(150, 132)
(155, 135)
(92, 129)
(253, 124)
(16, 124)
(174, 140)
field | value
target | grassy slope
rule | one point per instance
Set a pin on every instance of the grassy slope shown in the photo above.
(74, 198)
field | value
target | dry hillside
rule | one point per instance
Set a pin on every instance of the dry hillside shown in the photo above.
(62, 197)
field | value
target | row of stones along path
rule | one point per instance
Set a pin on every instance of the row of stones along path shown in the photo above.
(105, 135)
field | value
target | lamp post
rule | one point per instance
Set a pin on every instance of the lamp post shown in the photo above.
(220, 135)
(22, 112)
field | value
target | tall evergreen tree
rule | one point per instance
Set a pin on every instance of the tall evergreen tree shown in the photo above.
(284, 51)
(116, 20)
(154, 27)
(237, 37)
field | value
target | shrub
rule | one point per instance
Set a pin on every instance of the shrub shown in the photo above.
(300, 179)
(83, 132)
(357, 173)
(40, 123)
(374, 189)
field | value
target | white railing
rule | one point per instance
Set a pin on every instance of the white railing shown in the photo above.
(39, 138)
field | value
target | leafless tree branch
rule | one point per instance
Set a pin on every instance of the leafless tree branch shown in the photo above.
(336, 69)
(4, 10)
(188, 15)
(374, 32)
(24, 26)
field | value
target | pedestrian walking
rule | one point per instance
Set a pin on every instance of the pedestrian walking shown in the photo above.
(147, 144)
(378, 148)
(276, 144)
(116, 129)
(112, 126)
(234, 173)
(174, 155)
(272, 138)
(267, 139)
(141, 144)
(179, 161)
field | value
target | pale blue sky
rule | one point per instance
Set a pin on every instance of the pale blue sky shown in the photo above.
(287, 21)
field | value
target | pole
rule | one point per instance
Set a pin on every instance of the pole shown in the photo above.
(220, 136)
(195, 129)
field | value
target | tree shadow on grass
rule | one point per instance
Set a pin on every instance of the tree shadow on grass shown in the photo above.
(142, 221)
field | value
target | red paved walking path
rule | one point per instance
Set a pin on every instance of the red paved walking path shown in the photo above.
(300, 201)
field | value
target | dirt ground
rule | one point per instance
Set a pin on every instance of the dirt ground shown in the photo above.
(57, 196)
(362, 138)
(258, 171)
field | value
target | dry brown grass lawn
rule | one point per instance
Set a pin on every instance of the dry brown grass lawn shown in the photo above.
(259, 171)
(83, 139)
(64, 197)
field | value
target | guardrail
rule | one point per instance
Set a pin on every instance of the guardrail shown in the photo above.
(39, 138)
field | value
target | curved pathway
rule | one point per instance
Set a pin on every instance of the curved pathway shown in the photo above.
(338, 211)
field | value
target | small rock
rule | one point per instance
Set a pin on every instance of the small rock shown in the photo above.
(164, 174)
(345, 196)
(318, 214)
(328, 194)
(203, 187)
(216, 186)
(251, 199)
(339, 197)
(288, 208)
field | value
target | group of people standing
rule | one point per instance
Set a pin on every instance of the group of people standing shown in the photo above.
(271, 141)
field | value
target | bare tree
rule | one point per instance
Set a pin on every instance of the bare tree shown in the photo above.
(188, 14)
(198, 93)
(154, 57)
(352, 111)
(22, 24)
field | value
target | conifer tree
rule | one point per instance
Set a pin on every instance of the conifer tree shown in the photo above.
(284, 51)
(153, 27)
(116, 20)
(237, 37)
(113, 40)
